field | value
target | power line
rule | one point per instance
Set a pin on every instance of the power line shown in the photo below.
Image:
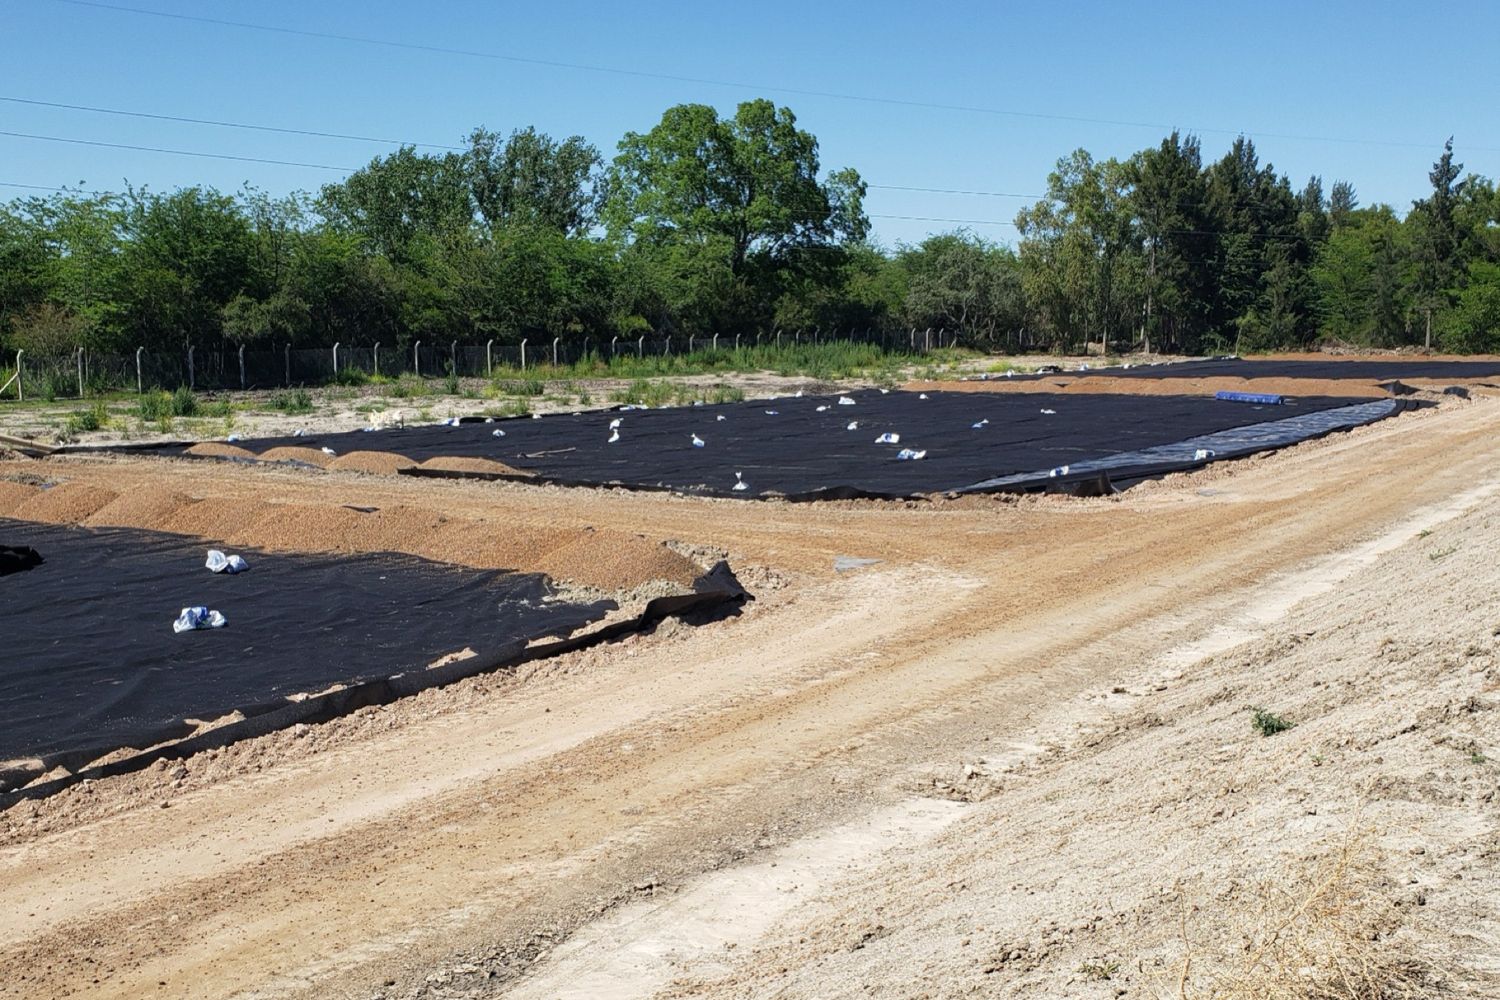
(961, 222)
(930, 190)
(224, 124)
(648, 74)
(178, 152)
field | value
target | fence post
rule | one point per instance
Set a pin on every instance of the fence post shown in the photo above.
(20, 379)
(192, 380)
(335, 357)
(80, 373)
(640, 347)
(376, 365)
(736, 342)
(453, 358)
(416, 359)
(612, 345)
(692, 340)
(489, 358)
(668, 349)
(140, 385)
(778, 338)
(554, 350)
(242, 367)
(716, 343)
(287, 363)
(523, 354)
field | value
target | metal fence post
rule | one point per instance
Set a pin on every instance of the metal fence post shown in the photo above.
(192, 379)
(416, 359)
(778, 338)
(928, 348)
(453, 358)
(287, 362)
(736, 342)
(668, 349)
(335, 357)
(80, 373)
(377, 357)
(554, 350)
(242, 367)
(489, 358)
(716, 343)
(692, 341)
(612, 345)
(640, 347)
(140, 384)
(20, 379)
(523, 354)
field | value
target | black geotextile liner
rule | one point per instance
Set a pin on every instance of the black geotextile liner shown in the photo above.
(1379, 369)
(90, 663)
(788, 446)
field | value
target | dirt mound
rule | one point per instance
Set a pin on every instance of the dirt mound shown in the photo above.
(219, 449)
(447, 463)
(299, 527)
(384, 463)
(214, 518)
(618, 560)
(143, 508)
(66, 503)
(13, 495)
(295, 453)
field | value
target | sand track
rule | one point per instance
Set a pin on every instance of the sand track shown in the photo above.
(475, 830)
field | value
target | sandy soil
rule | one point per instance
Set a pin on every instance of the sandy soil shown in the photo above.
(931, 748)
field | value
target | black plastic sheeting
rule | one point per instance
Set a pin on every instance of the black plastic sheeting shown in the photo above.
(91, 663)
(1379, 369)
(791, 447)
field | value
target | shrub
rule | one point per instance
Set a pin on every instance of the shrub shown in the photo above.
(82, 421)
(184, 402)
(154, 405)
(297, 400)
(351, 376)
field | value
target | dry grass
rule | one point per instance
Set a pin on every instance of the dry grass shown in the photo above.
(1319, 934)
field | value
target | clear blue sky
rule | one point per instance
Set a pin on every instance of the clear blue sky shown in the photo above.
(1393, 73)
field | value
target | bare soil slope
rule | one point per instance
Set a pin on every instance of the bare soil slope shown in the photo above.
(457, 844)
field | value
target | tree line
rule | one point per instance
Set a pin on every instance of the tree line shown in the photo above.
(729, 224)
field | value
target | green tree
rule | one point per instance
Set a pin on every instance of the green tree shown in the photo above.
(531, 179)
(399, 203)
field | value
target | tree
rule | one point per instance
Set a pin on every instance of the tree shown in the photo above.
(184, 257)
(530, 179)
(398, 201)
(1169, 198)
(1438, 238)
(749, 183)
(1342, 201)
(959, 282)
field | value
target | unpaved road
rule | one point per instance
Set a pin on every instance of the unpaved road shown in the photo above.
(463, 843)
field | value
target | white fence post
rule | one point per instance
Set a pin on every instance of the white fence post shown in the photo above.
(377, 357)
(453, 358)
(335, 357)
(140, 385)
(192, 378)
(489, 358)
(286, 357)
(416, 359)
(242, 367)
(554, 350)
(80, 372)
(612, 341)
(523, 353)
(20, 379)
(640, 347)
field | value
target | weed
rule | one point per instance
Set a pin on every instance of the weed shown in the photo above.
(184, 402)
(351, 376)
(450, 381)
(1424, 532)
(1098, 972)
(297, 400)
(724, 393)
(1442, 553)
(1477, 758)
(1269, 723)
(82, 421)
(220, 408)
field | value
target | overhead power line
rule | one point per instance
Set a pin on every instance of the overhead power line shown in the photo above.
(929, 190)
(225, 124)
(739, 85)
(177, 152)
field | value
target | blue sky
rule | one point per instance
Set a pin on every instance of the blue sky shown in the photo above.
(1389, 74)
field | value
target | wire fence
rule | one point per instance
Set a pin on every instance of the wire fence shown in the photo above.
(91, 373)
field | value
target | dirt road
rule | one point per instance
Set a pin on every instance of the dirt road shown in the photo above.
(447, 846)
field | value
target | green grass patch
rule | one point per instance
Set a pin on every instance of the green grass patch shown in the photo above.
(1269, 723)
(290, 401)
